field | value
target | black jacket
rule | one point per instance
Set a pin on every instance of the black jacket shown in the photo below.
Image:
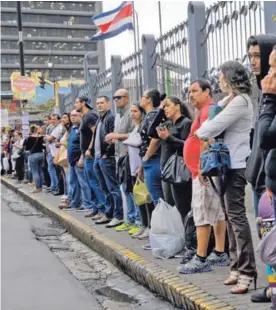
(255, 173)
(179, 132)
(267, 131)
(107, 126)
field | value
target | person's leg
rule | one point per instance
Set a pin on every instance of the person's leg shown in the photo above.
(274, 204)
(52, 172)
(152, 175)
(60, 186)
(99, 199)
(167, 192)
(17, 167)
(40, 169)
(182, 196)
(236, 213)
(108, 168)
(47, 178)
(131, 208)
(74, 185)
(21, 168)
(33, 159)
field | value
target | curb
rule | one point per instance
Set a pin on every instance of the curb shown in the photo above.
(167, 284)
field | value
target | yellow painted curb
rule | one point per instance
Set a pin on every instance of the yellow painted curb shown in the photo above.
(159, 280)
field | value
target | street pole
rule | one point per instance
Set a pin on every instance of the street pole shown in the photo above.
(139, 59)
(161, 48)
(20, 38)
(135, 52)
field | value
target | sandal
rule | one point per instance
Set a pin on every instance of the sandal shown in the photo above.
(232, 279)
(243, 284)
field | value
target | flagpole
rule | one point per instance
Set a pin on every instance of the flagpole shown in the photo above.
(135, 51)
(161, 47)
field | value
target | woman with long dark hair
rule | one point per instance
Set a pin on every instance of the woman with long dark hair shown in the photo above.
(234, 123)
(173, 133)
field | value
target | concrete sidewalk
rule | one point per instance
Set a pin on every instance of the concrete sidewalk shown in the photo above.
(200, 291)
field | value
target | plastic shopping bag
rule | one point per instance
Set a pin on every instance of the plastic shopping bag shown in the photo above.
(6, 165)
(140, 193)
(167, 231)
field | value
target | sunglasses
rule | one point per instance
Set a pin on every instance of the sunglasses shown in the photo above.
(118, 97)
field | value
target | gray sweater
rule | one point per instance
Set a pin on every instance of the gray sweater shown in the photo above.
(235, 120)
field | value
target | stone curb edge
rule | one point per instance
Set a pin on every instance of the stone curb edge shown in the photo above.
(159, 280)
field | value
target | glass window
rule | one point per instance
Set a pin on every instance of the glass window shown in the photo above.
(62, 6)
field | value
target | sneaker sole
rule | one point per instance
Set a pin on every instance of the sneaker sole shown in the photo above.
(125, 229)
(217, 264)
(206, 269)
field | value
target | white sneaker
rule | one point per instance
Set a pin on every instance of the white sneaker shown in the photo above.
(145, 234)
(114, 222)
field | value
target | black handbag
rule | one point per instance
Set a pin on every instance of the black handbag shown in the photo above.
(175, 171)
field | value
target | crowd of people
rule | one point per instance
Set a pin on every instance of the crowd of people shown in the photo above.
(83, 157)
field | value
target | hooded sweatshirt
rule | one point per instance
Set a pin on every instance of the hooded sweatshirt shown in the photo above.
(255, 170)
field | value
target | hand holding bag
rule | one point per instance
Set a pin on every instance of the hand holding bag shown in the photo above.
(141, 193)
(175, 171)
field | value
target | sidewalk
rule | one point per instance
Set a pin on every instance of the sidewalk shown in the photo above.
(200, 291)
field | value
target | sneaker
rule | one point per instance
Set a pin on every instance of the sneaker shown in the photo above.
(219, 261)
(195, 266)
(91, 214)
(189, 254)
(138, 233)
(82, 209)
(124, 226)
(147, 247)
(134, 229)
(114, 222)
(145, 234)
(103, 220)
(97, 217)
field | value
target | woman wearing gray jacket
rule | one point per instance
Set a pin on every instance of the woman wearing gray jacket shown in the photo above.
(234, 122)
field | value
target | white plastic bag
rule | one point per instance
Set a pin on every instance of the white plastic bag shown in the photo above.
(6, 165)
(167, 231)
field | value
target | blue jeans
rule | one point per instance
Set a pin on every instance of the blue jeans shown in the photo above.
(96, 193)
(80, 191)
(105, 169)
(36, 164)
(256, 199)
(28, 173)
(152, 175)
(133, 213)
(52, 172)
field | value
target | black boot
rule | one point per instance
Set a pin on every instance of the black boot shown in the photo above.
(261, 297)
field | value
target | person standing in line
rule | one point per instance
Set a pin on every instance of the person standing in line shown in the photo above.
(48, 127)
(206, 205)
(173, 134)
(87, 129)
(105, 166)
(19, 161)
(123, 127)
(54, 171)
(80, 191)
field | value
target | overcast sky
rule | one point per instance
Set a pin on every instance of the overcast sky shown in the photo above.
(173, 12)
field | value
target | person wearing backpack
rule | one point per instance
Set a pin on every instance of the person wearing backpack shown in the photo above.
(234, 121)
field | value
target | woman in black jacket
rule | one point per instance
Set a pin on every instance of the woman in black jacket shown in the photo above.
(267, 124)
(173, 133)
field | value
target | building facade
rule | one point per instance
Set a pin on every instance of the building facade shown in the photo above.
(56, 38)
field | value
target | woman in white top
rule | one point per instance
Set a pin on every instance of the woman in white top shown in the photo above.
(19, 158)
(234, 122)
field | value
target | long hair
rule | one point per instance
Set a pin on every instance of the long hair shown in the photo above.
(183, 108)
(237, 77)
(68, 126)
(155, 97)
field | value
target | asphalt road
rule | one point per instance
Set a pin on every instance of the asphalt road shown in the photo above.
(33, 278)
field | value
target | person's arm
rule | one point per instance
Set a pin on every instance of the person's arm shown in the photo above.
(88, 152)
(152, 149)
(91, 123)
(228, 116)
(110, 125)
(267, 122)
(159, 117)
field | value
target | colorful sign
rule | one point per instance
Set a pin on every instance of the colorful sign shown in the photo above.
(23, 87)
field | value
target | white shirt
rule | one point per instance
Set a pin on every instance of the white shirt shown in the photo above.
(57, 133)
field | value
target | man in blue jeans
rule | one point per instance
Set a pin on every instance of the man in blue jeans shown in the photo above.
(80, 194)
(87, 127)
(123, 127)
(105, 166)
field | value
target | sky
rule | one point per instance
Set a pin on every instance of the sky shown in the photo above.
(173, 13)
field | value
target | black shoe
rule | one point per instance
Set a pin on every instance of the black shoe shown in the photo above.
(56, 193)
(49, 190)
(91, 214)
(261, 296)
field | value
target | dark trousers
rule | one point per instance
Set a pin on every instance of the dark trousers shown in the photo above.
(47, 179)
(145, 213)
(240, 240)
(60, 179)
(19, 168)
(179, 195)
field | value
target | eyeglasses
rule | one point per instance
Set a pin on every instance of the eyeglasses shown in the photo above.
(118, 97)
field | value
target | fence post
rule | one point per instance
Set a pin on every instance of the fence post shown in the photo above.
(197, 35)
(270, 16)
(61, 103)
(92, 86)
(75, 91)
(149, 61)
(116, 80)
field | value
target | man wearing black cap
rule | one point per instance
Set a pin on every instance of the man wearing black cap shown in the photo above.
(87, 127)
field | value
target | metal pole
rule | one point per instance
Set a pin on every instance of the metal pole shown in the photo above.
(135, 51)
(20, 38)
(139, 59)
(161, 47)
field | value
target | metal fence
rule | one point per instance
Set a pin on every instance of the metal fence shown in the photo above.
(195, 48)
